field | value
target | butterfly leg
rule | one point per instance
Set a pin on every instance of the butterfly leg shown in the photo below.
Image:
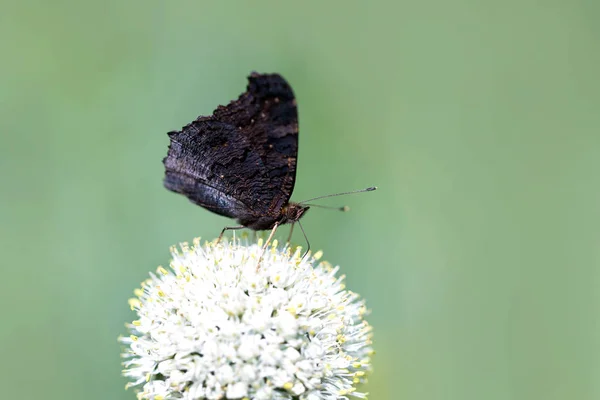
(289, 239)
(305, 238)
(262, 253)
(229, 228)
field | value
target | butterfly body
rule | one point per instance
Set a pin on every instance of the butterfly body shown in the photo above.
(240, 162)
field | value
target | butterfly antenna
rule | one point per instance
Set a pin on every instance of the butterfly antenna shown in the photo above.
(343, 208)
(369, 189)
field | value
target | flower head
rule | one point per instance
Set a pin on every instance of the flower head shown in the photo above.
(219, 325)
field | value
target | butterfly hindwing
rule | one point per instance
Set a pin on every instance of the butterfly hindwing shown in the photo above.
(217, 185)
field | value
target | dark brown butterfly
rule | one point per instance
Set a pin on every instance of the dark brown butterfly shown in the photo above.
(240, 162)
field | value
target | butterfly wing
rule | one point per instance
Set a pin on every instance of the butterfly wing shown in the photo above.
(266, 114)
(210, 163)
(241, 161)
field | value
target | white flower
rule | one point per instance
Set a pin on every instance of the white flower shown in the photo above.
(219, 325)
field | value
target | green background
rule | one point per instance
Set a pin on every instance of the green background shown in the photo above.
(479, 122)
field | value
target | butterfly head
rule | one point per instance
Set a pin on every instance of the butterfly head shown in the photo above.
(294, 211)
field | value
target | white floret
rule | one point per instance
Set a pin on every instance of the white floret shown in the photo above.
(221, 325)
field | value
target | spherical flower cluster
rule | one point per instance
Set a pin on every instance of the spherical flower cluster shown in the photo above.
(222, 325)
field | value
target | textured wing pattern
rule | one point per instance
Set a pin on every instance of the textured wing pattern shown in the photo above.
(241, 161)
(216, 185)
(267, 115)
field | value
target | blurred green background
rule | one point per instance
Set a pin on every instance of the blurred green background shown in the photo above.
(479, 122)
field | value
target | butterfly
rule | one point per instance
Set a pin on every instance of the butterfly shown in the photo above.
(240, 162)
